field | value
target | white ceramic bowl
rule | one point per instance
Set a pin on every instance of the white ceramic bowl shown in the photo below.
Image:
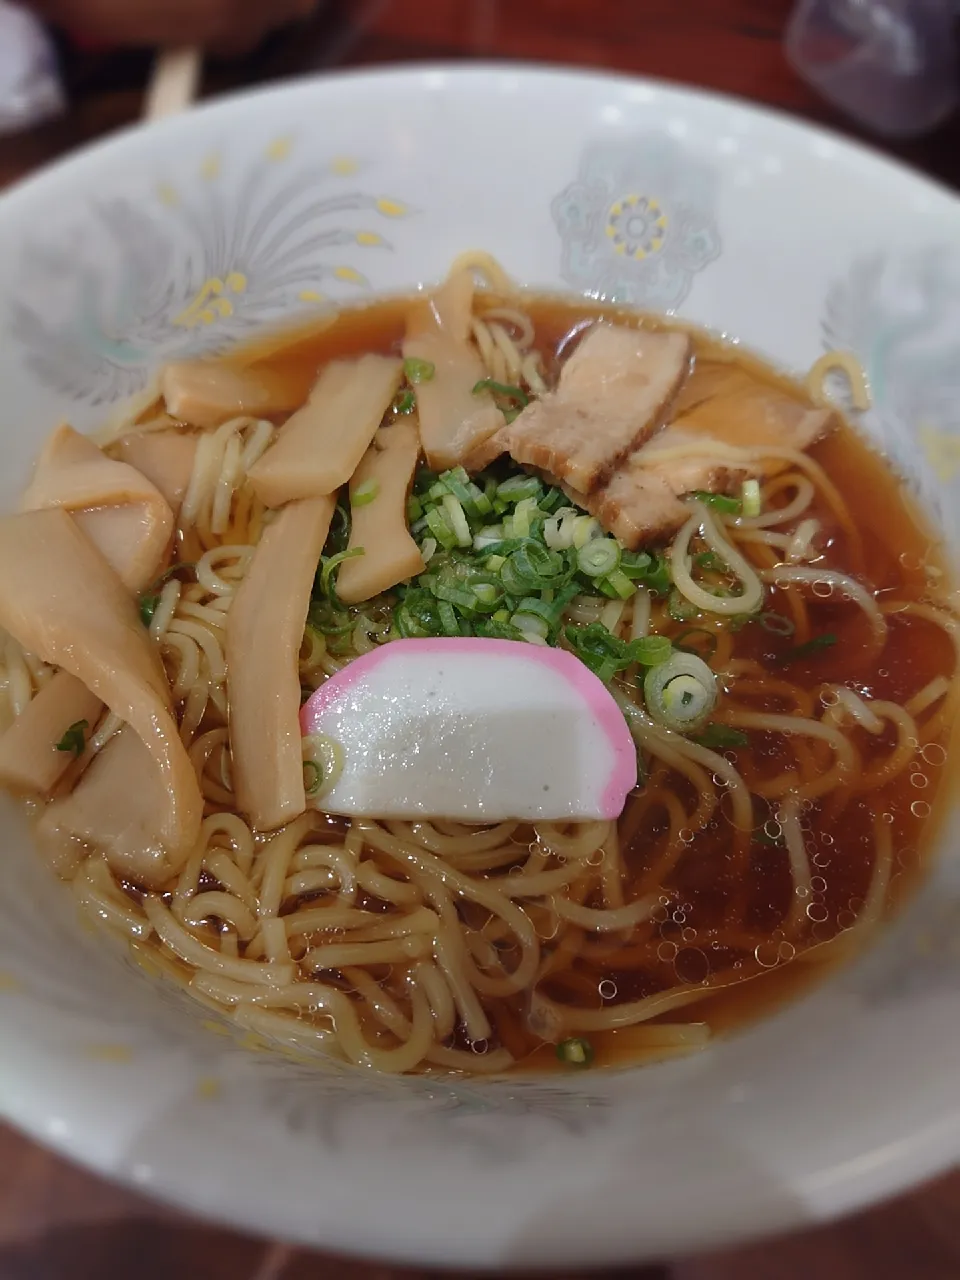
(200, 231)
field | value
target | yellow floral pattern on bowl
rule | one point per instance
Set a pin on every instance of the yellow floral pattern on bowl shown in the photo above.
(200, 261)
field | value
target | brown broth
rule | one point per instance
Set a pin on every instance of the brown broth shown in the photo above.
(691, 941)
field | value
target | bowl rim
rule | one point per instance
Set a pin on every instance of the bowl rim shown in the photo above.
(799, 126)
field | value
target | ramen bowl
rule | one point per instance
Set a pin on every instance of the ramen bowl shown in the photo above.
(201, 232)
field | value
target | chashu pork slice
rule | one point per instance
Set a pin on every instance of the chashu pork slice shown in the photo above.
(726, 419)
(611, 397)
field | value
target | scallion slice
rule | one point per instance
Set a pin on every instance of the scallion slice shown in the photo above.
(509, 399)
(322, 765)
(750, 500)
(488, 536)
(809, 649)
(719, 501)
(585, 528)
(330, 566)
(651, 651)
(417, 615)
(74, 740)
(718, 737)
(449, 622)
(680, 693)
(530, 625)
(457, 519)
(486, 594)
(519, 487)
(598, 557)
(148, 607)
(440, 528)
(458, 596)
(417, 371)
(520, 523)
(364, 493)
(617, 584)
(575, 1052)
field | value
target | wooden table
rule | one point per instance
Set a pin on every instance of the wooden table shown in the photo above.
(57, 1223)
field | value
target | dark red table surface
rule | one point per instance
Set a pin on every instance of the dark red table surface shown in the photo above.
(59, 1223)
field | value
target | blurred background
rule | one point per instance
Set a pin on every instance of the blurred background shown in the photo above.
(57, 1222)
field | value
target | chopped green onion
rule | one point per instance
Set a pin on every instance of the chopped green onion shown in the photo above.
(520, 521)
(418, 370)
(148, 607)
(719, 736)
(651, 651)
(558, 530)
(534, 566)
(74, 740)
(585, 528)
(680, 693)
(404, 401)
(808, 650)
(598, 557)
(486, 593)
(776, 623)
(528, 624)
(364, 493)
(705, 653)
(750, 501)
(575, 1052)
(458, 596)
(322, 764)
(488, 536)
(440, 528)
(552, 501)
(617, 584)
(414, 509)
(458, 483)
(519, 487)
(323, 617)
(547, 610)
(428, 549)
(448, 619)
(417, 615)
(599, 649)
(636, 564)
(652, 570)
(496, 629)
(509, 399)
(330, 566)
(457, 519)
(719, 502)
(339, 536)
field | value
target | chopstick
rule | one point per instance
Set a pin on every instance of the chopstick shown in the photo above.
(173, 83)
